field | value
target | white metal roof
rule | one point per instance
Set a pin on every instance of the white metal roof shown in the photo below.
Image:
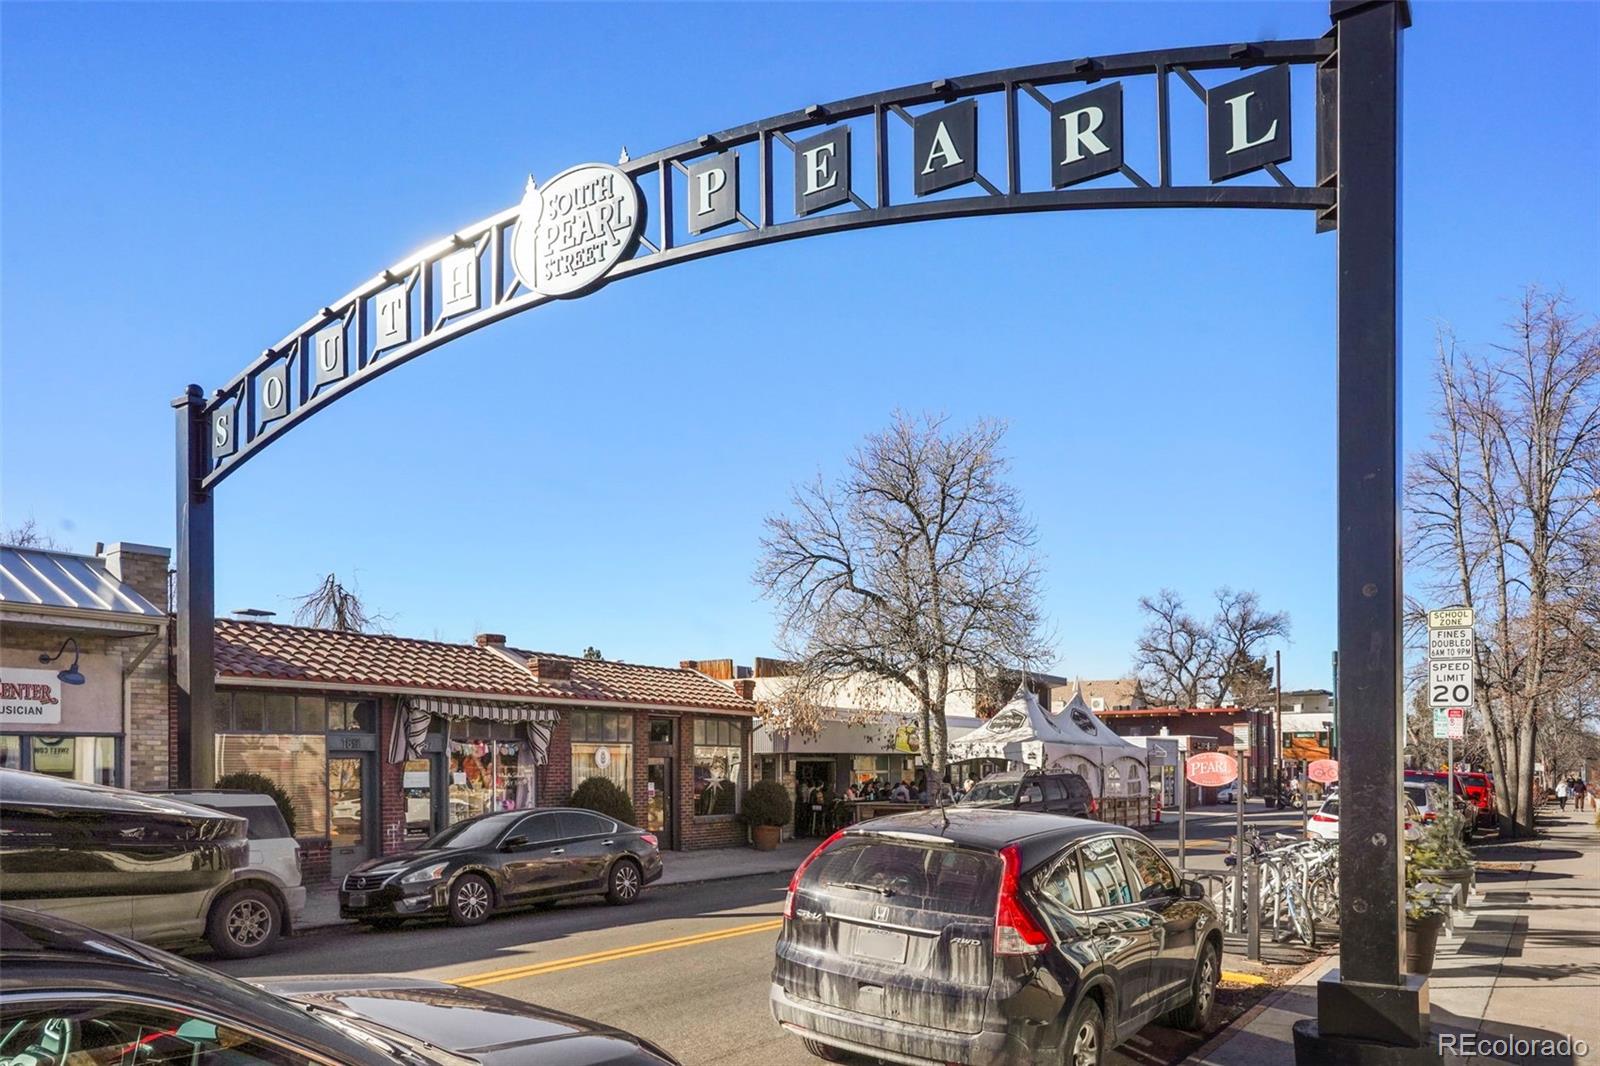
(30, 577)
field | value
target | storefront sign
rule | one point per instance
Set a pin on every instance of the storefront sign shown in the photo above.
(1323, 771)
(574, 230)
(53, 755)
(1211, 769)
(602, 757)
(30, 696)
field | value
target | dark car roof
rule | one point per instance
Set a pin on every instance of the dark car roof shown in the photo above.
(1037, 833)
(1018, 775)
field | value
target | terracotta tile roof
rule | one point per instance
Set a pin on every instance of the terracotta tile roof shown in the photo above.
(270, 651)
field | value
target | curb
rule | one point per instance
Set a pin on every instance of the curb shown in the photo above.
(1233, 1028)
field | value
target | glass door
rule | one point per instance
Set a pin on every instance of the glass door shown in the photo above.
(347, 822)
(660, 810)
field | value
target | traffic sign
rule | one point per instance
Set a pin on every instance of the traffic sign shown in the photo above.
(1450, 683)
(1450, 618)
(1452, 643)
(1449, 723)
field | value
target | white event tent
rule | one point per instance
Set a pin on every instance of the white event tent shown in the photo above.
(1024, 733)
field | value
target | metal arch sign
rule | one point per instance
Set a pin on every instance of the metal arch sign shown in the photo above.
(720, 192)
(592, 224)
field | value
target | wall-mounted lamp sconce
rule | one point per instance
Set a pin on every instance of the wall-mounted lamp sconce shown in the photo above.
(71, 675)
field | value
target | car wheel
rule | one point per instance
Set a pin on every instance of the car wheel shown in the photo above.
(471, 900)
(625, 883)
(1195, 1015)
(1086, 1035)
(827, 1052)
(243, 923)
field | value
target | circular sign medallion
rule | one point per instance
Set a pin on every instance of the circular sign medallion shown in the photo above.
(1323, 771)
(1211, 769)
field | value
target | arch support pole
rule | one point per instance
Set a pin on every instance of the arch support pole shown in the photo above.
(1368, 1010)
(194, 668)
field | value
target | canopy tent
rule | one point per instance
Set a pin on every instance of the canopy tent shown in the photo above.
(1025, 733)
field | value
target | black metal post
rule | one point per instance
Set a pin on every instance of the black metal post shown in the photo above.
(1367, 1010)
(193, 667)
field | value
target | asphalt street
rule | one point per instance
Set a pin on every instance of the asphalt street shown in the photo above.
(687, 966)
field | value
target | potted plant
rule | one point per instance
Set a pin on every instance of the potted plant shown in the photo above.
(1441, 854)
(767, 809)
(1424, 916)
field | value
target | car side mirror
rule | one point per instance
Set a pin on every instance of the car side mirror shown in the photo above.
(512, 843)
(1191, 890)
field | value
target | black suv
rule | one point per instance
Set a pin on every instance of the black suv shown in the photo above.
(1056, 791)
(989, 937)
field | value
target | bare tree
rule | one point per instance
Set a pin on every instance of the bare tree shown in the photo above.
(911, 576)
(27, 534)
(332, 606)
(1503, 509)
(1183, 661)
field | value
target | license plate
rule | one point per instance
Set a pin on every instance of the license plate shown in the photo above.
(881, 944)
(358, 899)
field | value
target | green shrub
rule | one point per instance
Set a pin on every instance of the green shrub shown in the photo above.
(261, 785)
(601, 794)
(767, 803)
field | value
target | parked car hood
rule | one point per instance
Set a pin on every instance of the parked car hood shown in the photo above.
(494, 1030)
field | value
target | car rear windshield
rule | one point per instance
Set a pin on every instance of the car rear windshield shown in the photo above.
(265, 820)
(994, 791)
(1331, 807)
(937, 878)
(1418, 794)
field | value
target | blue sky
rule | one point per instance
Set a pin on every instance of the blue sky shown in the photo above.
(184, 184)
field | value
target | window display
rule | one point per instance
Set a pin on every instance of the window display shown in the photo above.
(490, 769)
(602, 746)
(718, 765)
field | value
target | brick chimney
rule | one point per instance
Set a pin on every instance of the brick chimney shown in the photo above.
(141, 566)
(490, 640)
(547, 668)
(745, 687)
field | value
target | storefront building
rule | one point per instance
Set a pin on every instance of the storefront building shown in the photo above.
(382, 741)
(83, 664)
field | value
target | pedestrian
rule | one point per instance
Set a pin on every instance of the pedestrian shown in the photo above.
(1580, 791)
(901, 793)
(1561, 793)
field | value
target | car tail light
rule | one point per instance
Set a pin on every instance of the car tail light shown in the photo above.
(794, 882)
(1014, 932)
(1324, 818)
(649, 838)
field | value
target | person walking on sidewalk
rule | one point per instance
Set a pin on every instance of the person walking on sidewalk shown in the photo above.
(1580, 792)
(1561, 793)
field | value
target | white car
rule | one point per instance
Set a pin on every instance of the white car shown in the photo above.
(1229, 793)
(1324, 825)
(245, 916)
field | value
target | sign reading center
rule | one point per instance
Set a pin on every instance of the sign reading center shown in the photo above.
(571, 232)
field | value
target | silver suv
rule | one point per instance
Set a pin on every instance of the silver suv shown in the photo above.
(265, 899)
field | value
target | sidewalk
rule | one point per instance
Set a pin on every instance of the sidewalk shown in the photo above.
(1524, 961)
(680, 868)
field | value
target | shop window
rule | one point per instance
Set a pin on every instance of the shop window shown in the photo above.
(297, 762)
(602, 746)
(488, 774)
(279, 712)
(661, 730)
(311, 714)
(89, 759)
(417, 783)
(249, 711)
(718, 762)
(352, 716)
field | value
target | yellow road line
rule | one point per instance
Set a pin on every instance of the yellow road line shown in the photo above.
(494, 977)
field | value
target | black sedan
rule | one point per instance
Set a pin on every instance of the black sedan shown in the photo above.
(70, 995)
(496, 861)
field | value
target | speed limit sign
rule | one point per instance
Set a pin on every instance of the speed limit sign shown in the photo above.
(1450, 683)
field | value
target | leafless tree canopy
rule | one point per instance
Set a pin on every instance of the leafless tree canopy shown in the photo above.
(332, 606)
(915, 571)
(27, 534)
(1504, 517)
(1182, 661)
